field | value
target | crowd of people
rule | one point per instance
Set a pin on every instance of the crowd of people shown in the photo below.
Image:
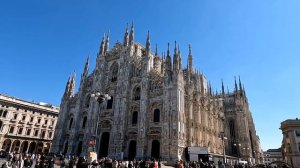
(15, 160)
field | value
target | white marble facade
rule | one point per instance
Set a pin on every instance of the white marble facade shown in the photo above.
(157, 107)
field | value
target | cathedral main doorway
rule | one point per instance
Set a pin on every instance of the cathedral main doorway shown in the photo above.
(132, 150)
(79, 148)
(104, 143)
(155, 150)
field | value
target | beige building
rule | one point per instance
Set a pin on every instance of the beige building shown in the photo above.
(272, 155)
(26, 127)
(291, 141)
(157, 108)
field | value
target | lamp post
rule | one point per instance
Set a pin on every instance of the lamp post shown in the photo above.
(100, 98)
(223, 137)
(238, 150)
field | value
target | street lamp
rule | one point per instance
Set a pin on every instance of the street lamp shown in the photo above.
(223, 137)
(238, 150)
(100, 98)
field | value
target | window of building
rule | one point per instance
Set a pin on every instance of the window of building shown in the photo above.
(39, 120)
(31, 119)
(11, 130)
(36, 132)
(137, 93)
(23, 118)
(156, 115)
(110, 102)
(1, 125)
(134, 118)
(5, 113)
(46, 122)
(114, 72)
(84, 122)
(52, 122)
(28, 131)
(15, 116)
(70, 123)
(50, 135)
(43, 134)
(297, 132)
(20, 130)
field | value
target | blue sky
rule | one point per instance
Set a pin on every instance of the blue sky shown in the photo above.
(43, 42)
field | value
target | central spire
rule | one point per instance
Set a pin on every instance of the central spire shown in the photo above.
(148, 45)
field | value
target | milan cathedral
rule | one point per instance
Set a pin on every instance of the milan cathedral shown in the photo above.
(156, 108)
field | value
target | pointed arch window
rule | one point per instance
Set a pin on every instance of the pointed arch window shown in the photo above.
(84, 122)
(110, 103)
(114, 72)
(156, 117)
(70, 123)
(134, 118)
(87, 101)
(137, 93)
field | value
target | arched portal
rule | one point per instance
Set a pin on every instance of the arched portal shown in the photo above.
(39, 147)
(32, 147)
(132, 150)
(79, 148)
(6, 145)
(104, 143)
(16, 146)
(155, 150)
(24, 147)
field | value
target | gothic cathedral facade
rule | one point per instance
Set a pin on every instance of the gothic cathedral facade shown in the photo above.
(157, 108)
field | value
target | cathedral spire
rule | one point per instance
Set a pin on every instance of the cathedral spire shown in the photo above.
(131, 35)
(240, 84)
(85, 73)
(175, 49)
(156, 54)
(168, 60)
(102, 45)
(106, 48)
(86, 67)
(190, 58)
(126, 36)
(72, 85)
(223, 91)
(148, 45)
(175, 58)
(179, 55)
(168, 51)
(67, 89)
(235, 85)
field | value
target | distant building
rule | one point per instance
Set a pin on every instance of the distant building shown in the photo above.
(291, 141)
(272, 155)
(158, 108)
(26, 127)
